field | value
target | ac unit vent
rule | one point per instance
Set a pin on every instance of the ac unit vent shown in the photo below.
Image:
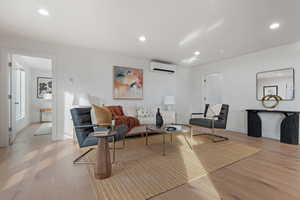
(162, 67)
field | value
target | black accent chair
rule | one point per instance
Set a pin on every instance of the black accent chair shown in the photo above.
(211, 122)
(83, 127)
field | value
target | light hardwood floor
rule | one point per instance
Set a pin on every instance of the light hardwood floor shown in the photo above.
(36, 168)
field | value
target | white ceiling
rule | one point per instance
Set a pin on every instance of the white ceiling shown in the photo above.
(174, 28)
(43, 64)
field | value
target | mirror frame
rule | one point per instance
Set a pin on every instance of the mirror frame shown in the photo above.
(291, 68)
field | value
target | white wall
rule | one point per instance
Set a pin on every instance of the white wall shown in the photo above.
(183, 95)
(92, 73)
(240, 85)
(36, 104)
(80, 70)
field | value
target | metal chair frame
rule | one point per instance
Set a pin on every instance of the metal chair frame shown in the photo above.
(212, 128)
(77, 160)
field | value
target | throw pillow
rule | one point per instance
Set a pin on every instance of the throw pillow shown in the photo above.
(213, 109)
(103, 115)
(93, 116)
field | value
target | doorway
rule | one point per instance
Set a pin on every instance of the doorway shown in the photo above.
(30, 94)
(212, 88)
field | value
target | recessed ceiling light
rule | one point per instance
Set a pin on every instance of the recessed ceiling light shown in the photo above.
(274, 25)
(142, 38)
(197, 53)
(43, 12)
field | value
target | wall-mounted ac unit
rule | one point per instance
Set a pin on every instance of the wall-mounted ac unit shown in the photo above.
(156, 66)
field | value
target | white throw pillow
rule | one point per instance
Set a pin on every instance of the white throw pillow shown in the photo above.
(93, 116)
(213, 109)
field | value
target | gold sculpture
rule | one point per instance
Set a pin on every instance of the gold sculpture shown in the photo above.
(270, 97)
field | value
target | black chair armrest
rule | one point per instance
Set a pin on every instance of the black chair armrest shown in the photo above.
(218, 116)
(86, 126)
(197, 113)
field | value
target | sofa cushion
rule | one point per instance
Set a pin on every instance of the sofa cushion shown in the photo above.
(147, 120)
(145, 113)
(130, 110)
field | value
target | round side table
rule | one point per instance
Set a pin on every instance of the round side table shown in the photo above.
(103, 166)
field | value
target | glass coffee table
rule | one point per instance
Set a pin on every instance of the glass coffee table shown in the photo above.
(163, 131)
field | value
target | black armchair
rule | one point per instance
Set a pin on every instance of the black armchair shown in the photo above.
(212, 122)
(83, 127)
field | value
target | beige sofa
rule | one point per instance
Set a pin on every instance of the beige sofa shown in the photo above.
(146, 114)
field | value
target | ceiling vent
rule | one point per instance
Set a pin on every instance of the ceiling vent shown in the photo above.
(162, 67)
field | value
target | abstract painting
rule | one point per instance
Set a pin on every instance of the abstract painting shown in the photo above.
(44, 88)
(127, 83)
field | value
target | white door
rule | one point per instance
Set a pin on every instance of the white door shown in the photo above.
(212, 88)
(16, 97)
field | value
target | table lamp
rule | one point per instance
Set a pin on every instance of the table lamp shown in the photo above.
(169, 101)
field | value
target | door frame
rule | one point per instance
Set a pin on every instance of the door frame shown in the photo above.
(204, 85)
(5, 53)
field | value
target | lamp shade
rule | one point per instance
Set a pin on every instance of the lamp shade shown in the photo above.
(81, 100)
(169, 100)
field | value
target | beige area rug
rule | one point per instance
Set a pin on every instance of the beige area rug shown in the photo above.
(44, 129)
(142, 172)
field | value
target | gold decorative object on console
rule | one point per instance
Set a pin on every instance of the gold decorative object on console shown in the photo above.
(271, 97)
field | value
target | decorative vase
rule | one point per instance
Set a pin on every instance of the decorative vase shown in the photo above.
(159, 119)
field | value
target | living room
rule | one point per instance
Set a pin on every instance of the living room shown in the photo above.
(217, 55)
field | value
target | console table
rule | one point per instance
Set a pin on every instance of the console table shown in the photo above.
(289, 129)
(44, 110)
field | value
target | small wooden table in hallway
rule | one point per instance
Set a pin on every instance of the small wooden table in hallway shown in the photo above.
(44, 110)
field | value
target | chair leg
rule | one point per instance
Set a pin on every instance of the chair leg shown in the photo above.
(217, 136)
(213, 134)
(77, 160)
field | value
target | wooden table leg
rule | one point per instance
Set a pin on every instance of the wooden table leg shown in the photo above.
(103, 166)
